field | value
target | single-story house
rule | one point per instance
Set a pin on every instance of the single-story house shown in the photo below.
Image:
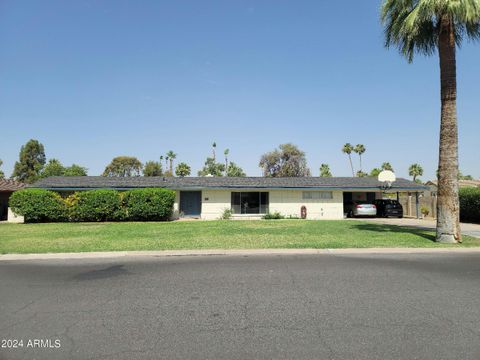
(247, 197)
(7, 187)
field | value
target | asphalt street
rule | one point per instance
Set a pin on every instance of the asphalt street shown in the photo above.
(409, 306)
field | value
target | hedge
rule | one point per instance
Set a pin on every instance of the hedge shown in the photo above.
(470, 205)
(96, 205)
(37, 205)
(149, 204)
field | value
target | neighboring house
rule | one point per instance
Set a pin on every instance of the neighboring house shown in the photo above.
(461, 183)
(7, 187)
(248, 197)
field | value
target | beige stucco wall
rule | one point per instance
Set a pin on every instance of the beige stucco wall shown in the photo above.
(290, 202)
(14, 218)
(287, 202)
(214, 202)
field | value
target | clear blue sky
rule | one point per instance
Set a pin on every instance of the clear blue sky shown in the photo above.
(95, 79)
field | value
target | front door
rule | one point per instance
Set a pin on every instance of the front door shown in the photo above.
(191, 203)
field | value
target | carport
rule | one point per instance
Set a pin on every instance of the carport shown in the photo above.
(374, 190)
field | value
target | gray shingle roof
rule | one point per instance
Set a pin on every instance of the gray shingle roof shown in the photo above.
(7, 185)
(334, 183)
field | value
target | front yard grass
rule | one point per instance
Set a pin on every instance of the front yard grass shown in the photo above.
(274, 234)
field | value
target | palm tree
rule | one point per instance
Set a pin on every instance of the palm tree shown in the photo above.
(226, 152)
(325, 170)
(415, 170)
(386, 166)
(425, 26)
(360, 149)
(214, 147)
(171, 156)
(347, 149)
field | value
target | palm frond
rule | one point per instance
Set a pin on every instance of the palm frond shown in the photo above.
(413, 27)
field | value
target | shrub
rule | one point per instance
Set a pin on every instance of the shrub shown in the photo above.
(96, 205)
(470, 205)
(273, 216)
(38, 205)
(149, 204)
(425, 210)
(226, 214)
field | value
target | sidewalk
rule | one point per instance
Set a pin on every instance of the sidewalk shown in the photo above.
(254, 252)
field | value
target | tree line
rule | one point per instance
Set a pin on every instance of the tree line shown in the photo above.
(32, 165)
(285, 161)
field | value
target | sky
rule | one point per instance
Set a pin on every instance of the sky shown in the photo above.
(92, 80)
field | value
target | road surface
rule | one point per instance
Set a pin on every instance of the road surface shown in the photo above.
(410, 306)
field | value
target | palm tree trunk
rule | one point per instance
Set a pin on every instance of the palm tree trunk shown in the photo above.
(360, 156)
(448, 210)
(351, 164)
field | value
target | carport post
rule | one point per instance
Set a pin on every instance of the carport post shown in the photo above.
(398, 196)
(417, 205)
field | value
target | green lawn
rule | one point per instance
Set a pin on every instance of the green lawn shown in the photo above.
(80, 237)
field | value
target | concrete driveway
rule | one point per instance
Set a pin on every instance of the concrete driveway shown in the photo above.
(410, 306)
(428, 224)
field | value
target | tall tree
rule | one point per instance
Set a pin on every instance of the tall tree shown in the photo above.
(234, 170)
(212, 168)
(2, 174)
(124, 166)
(31, 161)
(171, 156)
(226, 152)
(183, 170)
(166, 163)
(360, 173)
(152, 168)
(161, 161)
(360, 150)
(325, 171)
(415, 170)
(347, 149)
(375, 172)
(386, 166)
(75, 170)
(53, 168)
(214, 148)
(425, 26)
(286, 161)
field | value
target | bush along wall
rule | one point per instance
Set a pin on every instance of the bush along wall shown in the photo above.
(96, 205)
(149, 204)
(38, 205)
(470, 205)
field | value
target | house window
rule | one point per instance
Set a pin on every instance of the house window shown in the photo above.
(317, 195)
(250, 202)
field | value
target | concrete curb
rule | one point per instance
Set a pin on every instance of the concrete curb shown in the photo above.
(252, 252)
